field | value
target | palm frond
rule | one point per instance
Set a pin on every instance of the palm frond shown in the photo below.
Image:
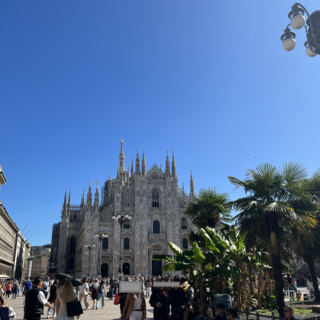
(293, 172)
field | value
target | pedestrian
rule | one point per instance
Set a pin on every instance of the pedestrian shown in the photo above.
(46, 286)
(135, 307)
(148, 288)
(123, 297)
(5, 314)
(190, 295)
(94, 292)
(27, 286)
(84, 291)
(221, 310)
(34, 302)
(288, 313)
(232, 314)
(160, 303)
(65, 294)
(8, 289)
(15, 289)
(52, 298)
(101, 293)
(111, 288)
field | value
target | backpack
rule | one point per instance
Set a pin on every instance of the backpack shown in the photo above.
(100, 290)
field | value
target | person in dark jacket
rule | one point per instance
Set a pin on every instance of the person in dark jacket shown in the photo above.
(123, 297)
(160, 302)
(34, 302)
(178, 301)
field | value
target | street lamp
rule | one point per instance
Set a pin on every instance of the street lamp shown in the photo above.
(296, 15)
(89, 247)
(100, 236)
(121, 219)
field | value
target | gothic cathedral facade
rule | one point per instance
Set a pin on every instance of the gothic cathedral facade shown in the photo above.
(155, 203)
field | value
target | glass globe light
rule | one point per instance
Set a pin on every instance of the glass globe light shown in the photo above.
(309, 52)
(126, 216)
(289, 44)
(113, 217)
(288, 39)
(298, 21)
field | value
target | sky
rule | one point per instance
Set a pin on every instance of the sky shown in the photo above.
(207, 79)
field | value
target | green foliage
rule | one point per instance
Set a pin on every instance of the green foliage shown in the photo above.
(269, 302)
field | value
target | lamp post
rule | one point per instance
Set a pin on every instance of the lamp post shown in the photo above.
(89, 247)
(121, 219)
(100, 236)
(312, 27)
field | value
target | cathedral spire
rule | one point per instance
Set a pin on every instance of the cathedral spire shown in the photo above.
(183, 187)
(173, 166)
(82, 199)
(89, 197)
(132, 169)
(69, 202)
(191, 185)
(167, 172)
(96, 197)
(138, 163)
(64, 206)
(144, 165)
(128, 172)
(121, 157)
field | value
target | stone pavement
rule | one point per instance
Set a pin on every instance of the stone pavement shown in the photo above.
(110, 312)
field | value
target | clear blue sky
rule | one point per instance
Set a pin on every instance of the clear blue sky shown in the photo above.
(207, 79)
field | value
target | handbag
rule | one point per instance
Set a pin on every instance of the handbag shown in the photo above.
(74, 309)
(109, 294)
(117, 299)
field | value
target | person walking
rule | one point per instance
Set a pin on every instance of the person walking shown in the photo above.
(46, 287)
(27, 286)
(94, 292)
(65, 294)
(84, 291)
(101, 293)
(111, 288)
(34, 302)
(160, 303)
(52, 298)
(135, 307)
(148, 288)
(15, 289)
(8, 289)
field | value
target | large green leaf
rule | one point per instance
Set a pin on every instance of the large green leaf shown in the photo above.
(220, 238)
(209, 243)
(198, 255)
(175, 249)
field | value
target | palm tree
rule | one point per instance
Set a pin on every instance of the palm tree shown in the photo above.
(268, 209)
(209, 208)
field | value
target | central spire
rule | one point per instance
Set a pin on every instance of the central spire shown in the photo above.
(121, 157)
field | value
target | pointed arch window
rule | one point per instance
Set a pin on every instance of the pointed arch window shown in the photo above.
(126, 243)
(184, 243)
(105, 243)
(155, 198)
(184, 223)
(156, 226)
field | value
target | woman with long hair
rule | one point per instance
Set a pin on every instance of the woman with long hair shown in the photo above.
(101, 293)
(52, 298)
(65, 294)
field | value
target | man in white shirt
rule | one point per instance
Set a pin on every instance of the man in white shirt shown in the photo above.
(34, 302)
(46, 286)
(84, 290)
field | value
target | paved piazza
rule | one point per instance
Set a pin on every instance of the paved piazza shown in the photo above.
(110, 311)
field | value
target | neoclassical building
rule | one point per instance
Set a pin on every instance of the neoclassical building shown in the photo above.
(156, 205)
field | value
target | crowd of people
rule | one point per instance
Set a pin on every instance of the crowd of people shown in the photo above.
(174, 303)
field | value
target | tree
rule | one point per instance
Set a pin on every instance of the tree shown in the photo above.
(209, 208)
(269, 209)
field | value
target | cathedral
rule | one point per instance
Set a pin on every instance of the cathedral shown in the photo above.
(154, 202)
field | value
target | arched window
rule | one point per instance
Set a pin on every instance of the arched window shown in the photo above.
(183, 223)
(73, 246)
(155, 198)
(71, 264)
(185, 243)
(156, 226)
(126, 243)
(105, 243)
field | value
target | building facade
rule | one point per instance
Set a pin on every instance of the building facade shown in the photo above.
(155, 203)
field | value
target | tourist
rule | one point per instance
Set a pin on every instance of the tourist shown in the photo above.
(94, 292)
(27, 286)
(15, 289)
(65, 294)
(3, 314)
(135, 307)
(8, 289)
(160, 303)
(190, 293)
(221, 312)
(111, 288)
(84, 291)
(101, 293)
(232, 314)
(52, 298)
(148, 288)
(34, 302)
(288, 313)
(178, 300)
(46, 286)
(123, 297)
